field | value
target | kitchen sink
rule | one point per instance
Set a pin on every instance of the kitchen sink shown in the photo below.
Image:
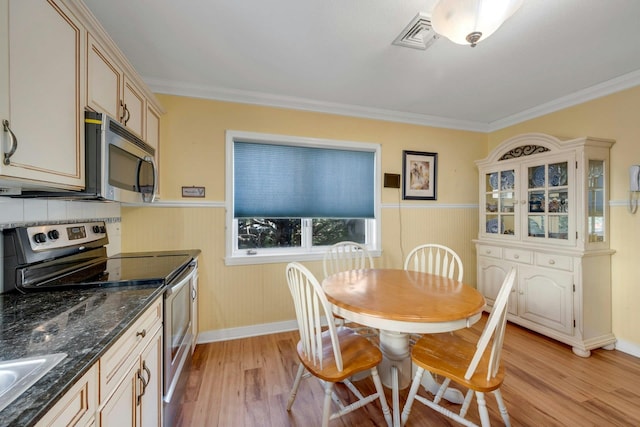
(16, 376)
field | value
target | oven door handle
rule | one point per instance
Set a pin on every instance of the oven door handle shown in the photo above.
(182, 280)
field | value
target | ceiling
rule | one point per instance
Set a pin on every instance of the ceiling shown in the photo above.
(337, 56)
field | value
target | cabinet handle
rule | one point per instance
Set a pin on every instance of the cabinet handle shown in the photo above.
(516, 256)
(142, 333)
(194, 294)
(14, 143)
(488, 251)
(551, 262)
(147, 370)
(128, 114)
(123, 107)
(144, 387)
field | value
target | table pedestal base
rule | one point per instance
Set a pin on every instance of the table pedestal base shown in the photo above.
(396, 371)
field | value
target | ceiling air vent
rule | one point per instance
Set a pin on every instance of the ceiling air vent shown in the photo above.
(418, 34)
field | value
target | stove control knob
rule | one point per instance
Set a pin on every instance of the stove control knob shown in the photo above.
(53, 234)
(40, 237)
(99, 229)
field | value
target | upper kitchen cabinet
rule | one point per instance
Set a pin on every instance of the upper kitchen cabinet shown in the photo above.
(111, 91)
(42, 54)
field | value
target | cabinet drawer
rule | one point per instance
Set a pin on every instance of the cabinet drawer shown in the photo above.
(490, 251)
(518, 255)
(559, 262)
(77, 406)
(118, 359)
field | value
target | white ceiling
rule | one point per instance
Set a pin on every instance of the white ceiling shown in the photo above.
(337, 56)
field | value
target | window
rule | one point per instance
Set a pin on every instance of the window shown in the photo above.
(288, 198)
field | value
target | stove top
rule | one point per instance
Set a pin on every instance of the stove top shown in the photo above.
(37, 259)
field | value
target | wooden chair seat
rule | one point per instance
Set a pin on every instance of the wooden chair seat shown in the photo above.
(450, 356)
(358, 354)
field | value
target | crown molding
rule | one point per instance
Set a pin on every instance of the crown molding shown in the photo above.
(626, 81)
(617, 84)
(271, 100)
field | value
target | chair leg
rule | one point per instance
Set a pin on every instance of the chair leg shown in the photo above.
(296, 384)
(412, 395)
(383, 401)
(482, 409)
(326, 410)
(502, 407)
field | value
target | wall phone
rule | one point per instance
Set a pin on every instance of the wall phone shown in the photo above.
(634, 187)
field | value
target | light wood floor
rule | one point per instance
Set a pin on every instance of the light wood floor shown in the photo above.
(246, 383)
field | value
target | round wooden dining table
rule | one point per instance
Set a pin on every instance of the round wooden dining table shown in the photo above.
(398, 303)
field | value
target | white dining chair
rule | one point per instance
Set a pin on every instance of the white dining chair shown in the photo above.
(344, 256)
(435, 259)
(331, 354)
(475, 366)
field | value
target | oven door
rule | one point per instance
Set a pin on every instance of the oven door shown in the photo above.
(177, 331)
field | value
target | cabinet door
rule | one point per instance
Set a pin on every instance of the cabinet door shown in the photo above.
(135, 108)
(546, 297)
(499, 193)
(151, 402)
(104, 82)
(46, 88)
(491, 274)
(122, 407)
(550, 208)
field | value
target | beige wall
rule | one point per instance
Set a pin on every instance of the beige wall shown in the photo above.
(616, 117)
(193, 153)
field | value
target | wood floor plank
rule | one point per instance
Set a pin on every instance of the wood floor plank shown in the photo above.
(246, 382)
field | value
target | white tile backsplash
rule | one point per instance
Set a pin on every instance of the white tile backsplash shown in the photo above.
(28, 211)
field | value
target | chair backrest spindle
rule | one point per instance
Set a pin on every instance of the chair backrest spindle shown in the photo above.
(344, 256)
(435, 259)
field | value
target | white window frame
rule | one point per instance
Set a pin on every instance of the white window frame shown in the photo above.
(306, 252)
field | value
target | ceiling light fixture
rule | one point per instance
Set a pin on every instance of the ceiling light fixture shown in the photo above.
(469, 21)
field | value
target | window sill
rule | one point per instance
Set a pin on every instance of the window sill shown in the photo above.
(281, 258)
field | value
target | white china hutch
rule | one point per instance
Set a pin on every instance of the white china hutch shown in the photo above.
(544, 211)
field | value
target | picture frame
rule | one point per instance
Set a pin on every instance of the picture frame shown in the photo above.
(420, 175)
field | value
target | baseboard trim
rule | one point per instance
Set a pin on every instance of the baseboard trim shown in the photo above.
(628, 347)
(246, 331)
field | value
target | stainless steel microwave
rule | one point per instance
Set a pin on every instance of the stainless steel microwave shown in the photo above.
(119, 165)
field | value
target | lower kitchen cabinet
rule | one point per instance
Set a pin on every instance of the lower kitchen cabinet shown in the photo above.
(137, 399)
(78, 406)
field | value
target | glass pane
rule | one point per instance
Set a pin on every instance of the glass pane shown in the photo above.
(269, 233)
(491, 181)
(507, 202)
(558, 227)
(536, 226)
(558, 174)
(536, 176)
(506, 180)
(558, 202)
(493, 225)
(508, 224)
(596, 201)
(536, 201)
(492, 202)
(327, 231)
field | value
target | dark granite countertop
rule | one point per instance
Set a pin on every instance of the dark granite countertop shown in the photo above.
(83, 323)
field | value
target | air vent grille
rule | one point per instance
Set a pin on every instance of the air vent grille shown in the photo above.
(418, 34)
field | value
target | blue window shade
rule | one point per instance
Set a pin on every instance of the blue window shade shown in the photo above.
(283, 181)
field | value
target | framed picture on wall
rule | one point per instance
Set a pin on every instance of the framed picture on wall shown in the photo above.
(419, 175)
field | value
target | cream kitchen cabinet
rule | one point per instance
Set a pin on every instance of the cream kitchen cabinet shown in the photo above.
(42, 58)
(544, 212)
(78, 406)
(111, 91)
(194, 309)
(131, 375)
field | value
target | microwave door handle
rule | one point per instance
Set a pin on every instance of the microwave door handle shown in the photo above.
(152, 197)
